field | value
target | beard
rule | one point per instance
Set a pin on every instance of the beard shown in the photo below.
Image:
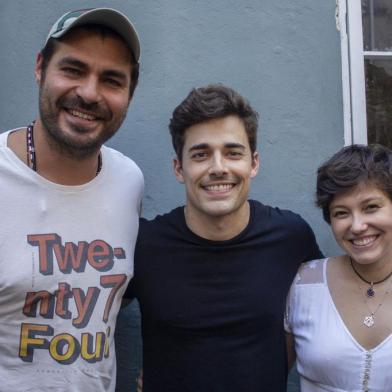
(73, 146)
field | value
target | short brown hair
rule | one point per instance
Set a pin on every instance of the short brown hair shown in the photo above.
(351, 166)
(207, 103)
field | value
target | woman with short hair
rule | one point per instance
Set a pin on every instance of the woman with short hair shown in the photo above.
(339, 310)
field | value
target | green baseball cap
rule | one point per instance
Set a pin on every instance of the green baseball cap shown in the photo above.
(108, 17)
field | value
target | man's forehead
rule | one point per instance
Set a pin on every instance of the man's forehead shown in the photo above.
(79, 33)
(211, 138)
(84, 48)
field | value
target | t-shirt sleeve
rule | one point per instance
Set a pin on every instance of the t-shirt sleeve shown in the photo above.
(131, 291)
(313, 250)
(310, 251)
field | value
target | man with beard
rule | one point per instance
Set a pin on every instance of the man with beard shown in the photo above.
(70, 209)
(212, 276)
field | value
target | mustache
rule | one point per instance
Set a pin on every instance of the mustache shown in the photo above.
(96, 109)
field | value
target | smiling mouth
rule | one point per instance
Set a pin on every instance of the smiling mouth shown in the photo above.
(364, 240)
(218, 187)
(83, 116)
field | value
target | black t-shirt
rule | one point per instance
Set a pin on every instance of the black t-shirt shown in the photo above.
(212, 311)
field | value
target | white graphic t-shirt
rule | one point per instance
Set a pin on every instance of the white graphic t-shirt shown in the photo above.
(66, 256)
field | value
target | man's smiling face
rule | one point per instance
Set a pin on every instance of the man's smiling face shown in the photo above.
(84, 91)
(216, 168)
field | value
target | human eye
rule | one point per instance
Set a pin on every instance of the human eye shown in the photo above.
(199, 155)
(114, 83)
(235, 154)
(71, 71)
(372, 207)
(339, 214)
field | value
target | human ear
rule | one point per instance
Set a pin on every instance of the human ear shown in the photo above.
(177, 168)
(38, 68)
(255, 164)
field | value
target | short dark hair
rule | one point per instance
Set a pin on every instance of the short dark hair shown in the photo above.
(207, 103)
(49, 49)
(351, 166)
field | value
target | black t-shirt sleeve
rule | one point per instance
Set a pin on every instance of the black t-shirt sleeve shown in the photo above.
(313, 250)
(131, 291)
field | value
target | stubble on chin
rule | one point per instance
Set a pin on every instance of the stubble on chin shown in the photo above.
(73, 147)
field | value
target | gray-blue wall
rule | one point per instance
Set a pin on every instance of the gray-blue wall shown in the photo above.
(283, 55)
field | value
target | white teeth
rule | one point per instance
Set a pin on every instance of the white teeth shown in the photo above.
(219, 187)
(364, 241)
(84, 116)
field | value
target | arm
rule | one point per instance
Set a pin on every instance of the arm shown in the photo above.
(314, 252)
(139, 382)
(125, 302)
(129, 294)
(290, 348)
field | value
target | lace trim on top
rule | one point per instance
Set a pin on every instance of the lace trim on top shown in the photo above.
(311, 272)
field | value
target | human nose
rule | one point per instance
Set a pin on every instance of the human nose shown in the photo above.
(358, 223)
(88, 90)
(218, 165)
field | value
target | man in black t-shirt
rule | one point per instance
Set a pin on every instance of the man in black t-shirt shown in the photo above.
(212, 277)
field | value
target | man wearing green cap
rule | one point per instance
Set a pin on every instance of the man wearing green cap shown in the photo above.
(70, 209)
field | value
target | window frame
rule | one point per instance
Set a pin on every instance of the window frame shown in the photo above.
(353, 70)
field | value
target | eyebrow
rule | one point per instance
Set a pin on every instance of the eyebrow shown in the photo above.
(111, 73)
(371, 198)
(235, 145)
(203, 146)
(69, 60)
(368, 200)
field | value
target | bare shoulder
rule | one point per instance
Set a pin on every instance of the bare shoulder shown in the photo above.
(336, 266)
(339, 277)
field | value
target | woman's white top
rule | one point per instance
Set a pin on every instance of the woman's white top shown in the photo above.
(328, 356)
